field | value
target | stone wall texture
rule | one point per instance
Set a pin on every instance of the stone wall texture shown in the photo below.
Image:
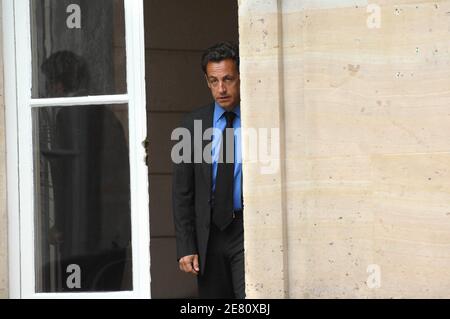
(359, 207)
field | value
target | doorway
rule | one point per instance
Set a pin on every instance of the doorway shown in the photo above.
(176, 33)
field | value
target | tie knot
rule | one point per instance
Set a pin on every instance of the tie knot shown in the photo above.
(230, 118)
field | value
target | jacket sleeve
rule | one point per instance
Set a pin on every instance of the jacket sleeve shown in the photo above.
(183, 191)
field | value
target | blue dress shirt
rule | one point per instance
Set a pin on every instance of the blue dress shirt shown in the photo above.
(219, 123)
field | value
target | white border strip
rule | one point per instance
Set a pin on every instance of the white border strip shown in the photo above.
(25, 160)
(87, 295)
(12, 164)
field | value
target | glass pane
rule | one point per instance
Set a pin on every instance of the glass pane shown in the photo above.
(82, 193)
(78, 47)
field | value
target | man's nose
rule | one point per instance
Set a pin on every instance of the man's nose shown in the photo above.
(222, 87)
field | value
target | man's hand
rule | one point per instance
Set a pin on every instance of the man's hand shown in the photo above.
(189, 264)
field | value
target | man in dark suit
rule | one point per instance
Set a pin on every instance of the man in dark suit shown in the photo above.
(207, 189)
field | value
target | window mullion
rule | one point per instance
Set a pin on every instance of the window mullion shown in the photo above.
(82, 100)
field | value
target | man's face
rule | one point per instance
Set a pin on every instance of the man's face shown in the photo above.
(224, 83)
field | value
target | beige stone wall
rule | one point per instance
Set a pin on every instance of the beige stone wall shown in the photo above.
(365, 148)
(3, 212)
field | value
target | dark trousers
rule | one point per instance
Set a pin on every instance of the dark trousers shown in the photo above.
(224, 269)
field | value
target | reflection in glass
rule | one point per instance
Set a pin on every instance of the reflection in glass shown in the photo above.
(82, 213)
(71, 36)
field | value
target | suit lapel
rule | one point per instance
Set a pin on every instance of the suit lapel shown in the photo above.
(207, 122)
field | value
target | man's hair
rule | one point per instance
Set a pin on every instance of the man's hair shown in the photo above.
(219, 52)
(67, 68)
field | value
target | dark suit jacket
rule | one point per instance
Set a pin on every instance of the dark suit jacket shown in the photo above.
(192, 194)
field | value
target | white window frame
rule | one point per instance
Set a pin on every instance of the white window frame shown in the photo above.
(20, 185)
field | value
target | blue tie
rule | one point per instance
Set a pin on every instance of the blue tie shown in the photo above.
(223, 196)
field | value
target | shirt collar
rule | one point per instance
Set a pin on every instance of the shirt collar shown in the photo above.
(219, 111)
